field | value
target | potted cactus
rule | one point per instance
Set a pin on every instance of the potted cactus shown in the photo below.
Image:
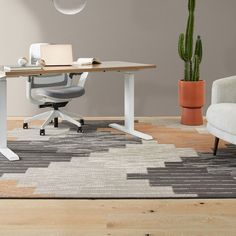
(191, 88)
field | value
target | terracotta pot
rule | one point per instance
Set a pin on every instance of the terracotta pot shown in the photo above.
(192, 99)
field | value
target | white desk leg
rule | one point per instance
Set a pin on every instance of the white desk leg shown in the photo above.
(10, 155)
(129, 110)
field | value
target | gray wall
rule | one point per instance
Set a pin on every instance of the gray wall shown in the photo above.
(134, 30)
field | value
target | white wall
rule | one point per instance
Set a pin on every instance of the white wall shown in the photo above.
(132, 30)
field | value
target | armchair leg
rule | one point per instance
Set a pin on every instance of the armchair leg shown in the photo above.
(216, 146)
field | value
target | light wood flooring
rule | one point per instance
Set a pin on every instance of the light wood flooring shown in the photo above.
(117, 218)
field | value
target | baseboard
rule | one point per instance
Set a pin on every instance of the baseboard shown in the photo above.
(106, 117)
(86, 118)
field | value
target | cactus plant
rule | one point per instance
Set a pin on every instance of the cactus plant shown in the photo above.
(185, 47)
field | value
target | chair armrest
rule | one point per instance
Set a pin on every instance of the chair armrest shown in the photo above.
(83, 79)
(224, 90)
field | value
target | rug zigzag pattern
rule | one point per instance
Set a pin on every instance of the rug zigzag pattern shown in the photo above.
(104, 175)
(207, 175)
(39, 152)
(102, 163)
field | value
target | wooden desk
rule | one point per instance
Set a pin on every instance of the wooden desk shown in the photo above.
(105, 66)
(127, 68)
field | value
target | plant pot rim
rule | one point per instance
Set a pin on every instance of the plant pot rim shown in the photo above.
(184, 81)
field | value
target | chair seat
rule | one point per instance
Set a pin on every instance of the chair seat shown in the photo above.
(223, 117)
(61, 93)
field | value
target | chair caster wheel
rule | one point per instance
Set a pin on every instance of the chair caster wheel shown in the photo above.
(80, 130)
(25, 126)
(42, 132)
(82, 122)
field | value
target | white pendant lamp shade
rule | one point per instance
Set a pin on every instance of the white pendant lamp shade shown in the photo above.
(69, 7)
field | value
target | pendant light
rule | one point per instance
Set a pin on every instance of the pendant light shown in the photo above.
(69, 7)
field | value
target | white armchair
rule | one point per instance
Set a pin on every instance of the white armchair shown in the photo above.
(221, 115)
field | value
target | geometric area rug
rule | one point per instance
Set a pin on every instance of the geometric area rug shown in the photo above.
(102, 163)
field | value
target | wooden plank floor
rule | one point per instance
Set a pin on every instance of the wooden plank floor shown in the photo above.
(116, 217)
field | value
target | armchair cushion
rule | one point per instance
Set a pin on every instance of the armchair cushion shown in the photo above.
(223, 117)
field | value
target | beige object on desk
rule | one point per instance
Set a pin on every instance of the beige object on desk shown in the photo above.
(127, 68)
(57, 54)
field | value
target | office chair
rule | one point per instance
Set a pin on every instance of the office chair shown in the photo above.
(54, 91)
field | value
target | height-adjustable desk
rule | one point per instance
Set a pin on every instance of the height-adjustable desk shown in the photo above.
(127, 68)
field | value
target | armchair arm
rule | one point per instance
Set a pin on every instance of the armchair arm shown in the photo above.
(224, 90)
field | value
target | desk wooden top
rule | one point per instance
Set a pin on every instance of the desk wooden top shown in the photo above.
(105, 66)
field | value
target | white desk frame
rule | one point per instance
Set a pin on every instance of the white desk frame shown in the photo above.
(129, 110)
(128, 101)
(4, 150)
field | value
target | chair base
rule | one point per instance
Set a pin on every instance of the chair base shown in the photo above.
(56, 122)
(53, 116)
